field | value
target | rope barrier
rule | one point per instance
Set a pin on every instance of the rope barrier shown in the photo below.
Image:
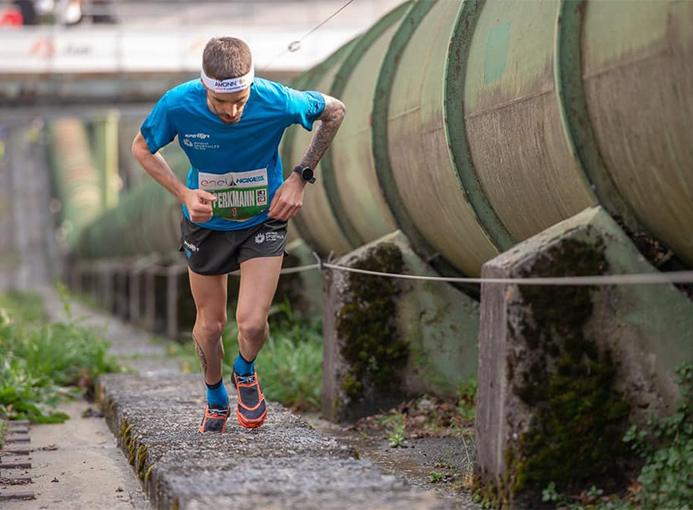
(300, 269)
(615, 279)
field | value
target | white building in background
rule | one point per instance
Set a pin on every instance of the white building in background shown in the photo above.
(168, 36)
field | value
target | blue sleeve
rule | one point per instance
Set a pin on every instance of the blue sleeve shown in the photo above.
(303, 107)
(157, 129)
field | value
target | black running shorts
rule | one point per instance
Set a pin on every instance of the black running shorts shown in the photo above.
(212, 252)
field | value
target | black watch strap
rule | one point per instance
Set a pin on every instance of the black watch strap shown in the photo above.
(306, 173)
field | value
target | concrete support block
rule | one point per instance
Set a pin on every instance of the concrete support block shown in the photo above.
(564, 371)
(385, 338)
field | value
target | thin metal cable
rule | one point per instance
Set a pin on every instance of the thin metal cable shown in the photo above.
(296, 45)
(328, 19)
(616, 279)
(301, 269)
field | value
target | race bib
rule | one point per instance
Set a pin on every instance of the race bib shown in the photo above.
(240, 195)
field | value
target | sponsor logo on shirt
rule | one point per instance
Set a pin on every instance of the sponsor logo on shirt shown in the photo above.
(192, 140)
(250, 179)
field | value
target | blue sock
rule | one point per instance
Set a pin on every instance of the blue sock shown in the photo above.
(217, 396)
(243, 367)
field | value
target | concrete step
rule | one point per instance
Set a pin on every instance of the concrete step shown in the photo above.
(284, 464)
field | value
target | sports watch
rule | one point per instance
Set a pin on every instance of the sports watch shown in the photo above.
(306, 173)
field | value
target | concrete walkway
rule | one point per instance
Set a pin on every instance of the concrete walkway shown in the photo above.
(285, 464)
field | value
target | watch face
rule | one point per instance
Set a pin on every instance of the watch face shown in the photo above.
(307, 174)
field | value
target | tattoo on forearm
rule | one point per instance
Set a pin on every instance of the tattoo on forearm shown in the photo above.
(201, 356)
(321, 142)
(324, 135)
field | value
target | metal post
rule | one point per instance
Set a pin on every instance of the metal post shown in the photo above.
(135, 296)
(122, 292)
(150, 305)
(109, 297)
(172, 274)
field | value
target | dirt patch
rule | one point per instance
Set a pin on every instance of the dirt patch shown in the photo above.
(426, 442)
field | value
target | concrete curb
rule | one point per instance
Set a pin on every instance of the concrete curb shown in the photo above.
(283, 464)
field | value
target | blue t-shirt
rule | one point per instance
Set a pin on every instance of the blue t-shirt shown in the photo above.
(239, 162)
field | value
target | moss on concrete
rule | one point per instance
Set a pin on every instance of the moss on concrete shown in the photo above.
(491, 495)
(367, 328)
(148, 474)
(141, 461)
(568, 380)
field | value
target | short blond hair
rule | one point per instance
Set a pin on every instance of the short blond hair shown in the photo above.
(225, 58)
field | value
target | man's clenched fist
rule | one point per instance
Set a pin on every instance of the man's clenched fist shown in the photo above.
(199, 204)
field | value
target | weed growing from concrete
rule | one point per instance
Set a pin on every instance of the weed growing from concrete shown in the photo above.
(40, 363)
(394, 426)
(436, 477)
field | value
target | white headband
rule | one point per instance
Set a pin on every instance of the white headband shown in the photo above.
(230, 85)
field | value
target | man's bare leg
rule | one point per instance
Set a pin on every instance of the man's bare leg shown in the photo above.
(259, 278)
(209, 293)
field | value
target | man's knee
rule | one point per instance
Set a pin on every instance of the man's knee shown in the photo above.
(210, 329)
(252, 328)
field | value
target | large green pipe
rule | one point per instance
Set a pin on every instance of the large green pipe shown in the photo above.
(638, 83)
(495, 120)
(348, 169)
(76, 176)
(317, 222)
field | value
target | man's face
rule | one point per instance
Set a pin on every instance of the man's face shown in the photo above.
(228, 107)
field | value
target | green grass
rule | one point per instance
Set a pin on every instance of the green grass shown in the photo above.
(27, 308)
(289, 365)
(466, 394)
(41, 364)
(3, 433)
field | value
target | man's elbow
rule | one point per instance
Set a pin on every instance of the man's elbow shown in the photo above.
(139, 146)
(339, 110)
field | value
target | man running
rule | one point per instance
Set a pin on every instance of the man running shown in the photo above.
(236, 204)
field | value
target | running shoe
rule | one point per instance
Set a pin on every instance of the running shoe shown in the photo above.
(214, 420)
(252, 407)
